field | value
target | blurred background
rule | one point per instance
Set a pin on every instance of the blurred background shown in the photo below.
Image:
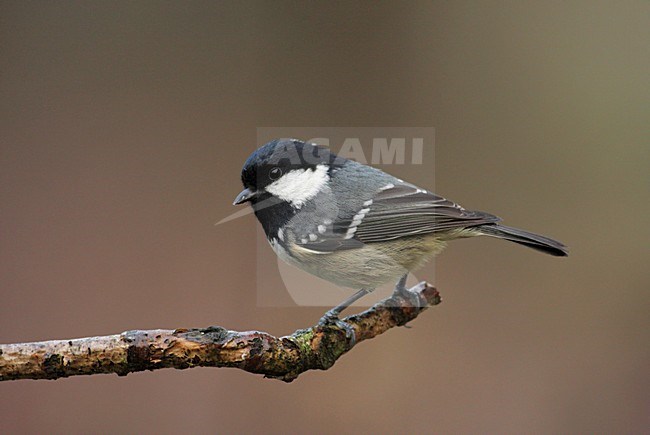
(123, 128)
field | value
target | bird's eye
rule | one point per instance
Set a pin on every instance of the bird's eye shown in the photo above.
(275, 173)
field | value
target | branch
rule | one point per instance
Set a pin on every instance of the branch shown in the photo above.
(284, 358)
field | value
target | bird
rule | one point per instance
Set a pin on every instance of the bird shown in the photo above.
(354, 225)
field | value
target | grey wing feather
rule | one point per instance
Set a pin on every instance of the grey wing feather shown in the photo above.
(398, 211)
(406, 210)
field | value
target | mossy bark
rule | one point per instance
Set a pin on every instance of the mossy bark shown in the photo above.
(284, 358)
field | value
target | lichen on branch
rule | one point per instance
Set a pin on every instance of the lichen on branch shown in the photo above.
(284, 358)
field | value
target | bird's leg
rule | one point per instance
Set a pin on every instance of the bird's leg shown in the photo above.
(403, 292)
(332, 316)
(401, 284)
(336, 311)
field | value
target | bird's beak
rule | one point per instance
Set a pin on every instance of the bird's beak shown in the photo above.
(244, 196)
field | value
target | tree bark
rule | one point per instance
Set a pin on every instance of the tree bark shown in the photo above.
(284, 358)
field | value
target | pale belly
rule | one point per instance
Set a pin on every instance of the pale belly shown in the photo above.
(366, 267)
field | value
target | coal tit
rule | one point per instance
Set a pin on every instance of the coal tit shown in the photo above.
(354, 225)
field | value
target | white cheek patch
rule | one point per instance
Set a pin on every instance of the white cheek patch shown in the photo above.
(299, 185)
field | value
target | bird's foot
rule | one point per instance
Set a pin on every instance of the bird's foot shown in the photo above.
(331, 318)
(413, 298)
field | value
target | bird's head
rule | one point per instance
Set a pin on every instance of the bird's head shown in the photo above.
(288, 170)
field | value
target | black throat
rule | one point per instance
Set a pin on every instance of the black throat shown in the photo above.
(272, 213)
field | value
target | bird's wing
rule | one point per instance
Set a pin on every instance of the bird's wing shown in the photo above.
(396, 211)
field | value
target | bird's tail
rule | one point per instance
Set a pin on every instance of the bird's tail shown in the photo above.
(535, 241)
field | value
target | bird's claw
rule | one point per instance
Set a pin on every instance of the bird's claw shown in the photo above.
(413, 298)
(332, 319)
